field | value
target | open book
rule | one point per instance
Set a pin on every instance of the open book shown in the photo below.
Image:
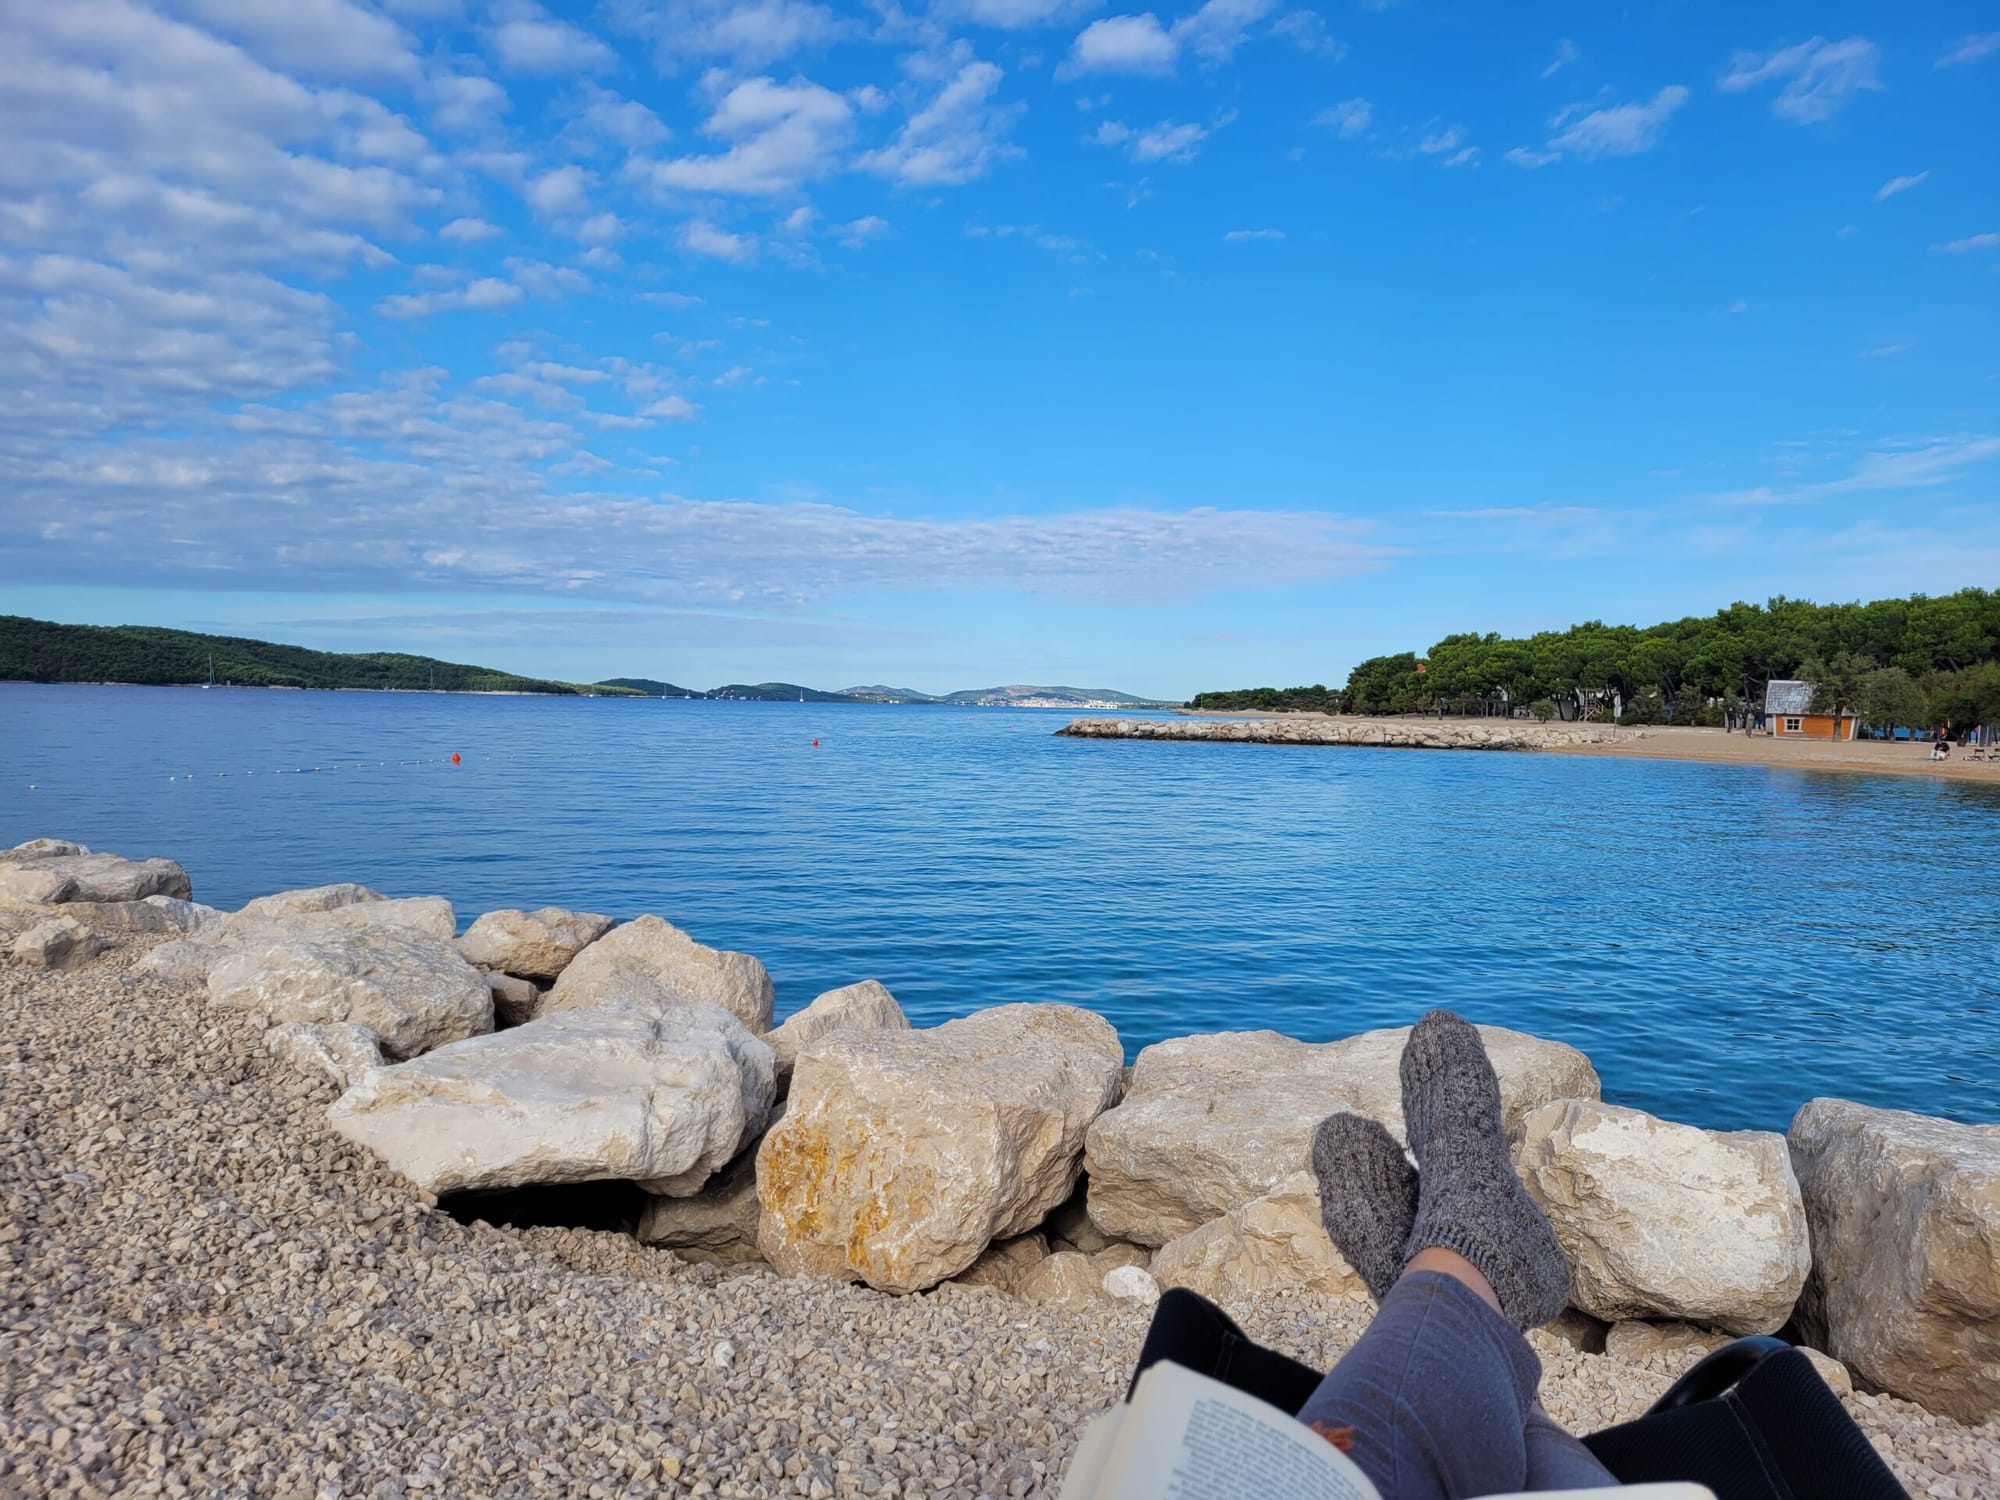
(1183, 1436)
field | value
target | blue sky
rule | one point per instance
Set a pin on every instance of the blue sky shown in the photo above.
(1022, 340)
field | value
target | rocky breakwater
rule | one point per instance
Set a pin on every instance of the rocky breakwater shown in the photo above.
(1408, 734)
(1008, 1152)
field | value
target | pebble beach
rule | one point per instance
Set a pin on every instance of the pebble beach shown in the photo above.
(205, 1291)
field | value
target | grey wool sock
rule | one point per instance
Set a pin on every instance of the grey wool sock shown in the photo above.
(1470, 1200)
(1367, 1196)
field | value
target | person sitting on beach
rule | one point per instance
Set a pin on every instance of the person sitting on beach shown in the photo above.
(1941, 746)
(1438, 1397)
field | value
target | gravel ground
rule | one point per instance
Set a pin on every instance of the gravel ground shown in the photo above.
(204, 1291)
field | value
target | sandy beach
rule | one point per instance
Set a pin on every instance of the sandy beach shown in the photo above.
(1718, 747)
(204, 1290)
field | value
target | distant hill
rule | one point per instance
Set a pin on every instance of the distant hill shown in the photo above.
(652, 687)
(40, 651)
(1022, 695)
(880, 694)
(779, 692)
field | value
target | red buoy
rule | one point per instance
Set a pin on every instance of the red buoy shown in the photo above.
(454, 757)
(815, 744)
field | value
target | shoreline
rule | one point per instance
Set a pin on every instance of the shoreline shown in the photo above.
(1676, 743)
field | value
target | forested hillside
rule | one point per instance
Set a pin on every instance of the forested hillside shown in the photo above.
(38, 651)
(1916, 661)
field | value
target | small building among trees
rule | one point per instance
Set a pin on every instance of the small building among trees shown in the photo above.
(1789, 713)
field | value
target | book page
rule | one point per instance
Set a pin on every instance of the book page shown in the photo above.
(1191, 1438)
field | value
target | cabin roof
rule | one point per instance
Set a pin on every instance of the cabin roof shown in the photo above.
(1784, 695)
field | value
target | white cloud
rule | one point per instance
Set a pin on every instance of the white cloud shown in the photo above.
(1243, 236)
(1123, 44)
(467, 231)
(749, 33)
(1306, 31)
(1923, 466)
(483, 293)
(672, 409)
(600, 229)
(1897, 185)
(1566, 54)
(1972, 242)
(1885, 351)
(1819, 76)
(860, 231)
(1165, 141)
(1970, 49)
(1615, 130)
(677, 301)
(540, 279)
(563, 190)
(466, 102)
(1013, 15)
(781, 135)
(1350, 117)
(623, 122)
(955, 137)
(330, 38)
(532, 42)
(1141, 44)
(699, 237)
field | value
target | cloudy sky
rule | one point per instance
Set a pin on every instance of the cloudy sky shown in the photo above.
(984, 340)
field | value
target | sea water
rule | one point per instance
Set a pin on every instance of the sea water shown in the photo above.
(1723, 941)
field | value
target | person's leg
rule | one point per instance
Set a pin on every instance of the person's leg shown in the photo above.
(1557, 1460)
(1433, 1400)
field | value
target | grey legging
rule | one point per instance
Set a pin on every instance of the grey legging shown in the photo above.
(1439, 1398)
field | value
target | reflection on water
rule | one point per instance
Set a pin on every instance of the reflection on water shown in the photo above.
(1723, 941)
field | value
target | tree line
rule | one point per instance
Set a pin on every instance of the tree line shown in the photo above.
(1924, 661)
(41, 651)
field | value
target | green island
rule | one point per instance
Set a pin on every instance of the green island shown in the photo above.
(40, 651)
(1915, 662)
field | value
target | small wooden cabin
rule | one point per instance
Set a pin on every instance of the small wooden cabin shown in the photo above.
(1788, 714)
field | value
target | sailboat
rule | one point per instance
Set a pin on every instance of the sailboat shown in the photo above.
(211, 672)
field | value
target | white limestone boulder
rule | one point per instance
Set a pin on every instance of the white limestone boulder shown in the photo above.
(411, 990)
(649, 961)
(1002, 1264)
(665, 1098)
(1662, 1220)
(311, 899)
(1131, 1284)
(1273, 1243)
(1066, 1279)
(193, 957)
(92, 877)
(57, 943)
(1668, 1346)
(336, 1050)
(717, 1225)
(515, 1001)
(1210, 1122)
(40, 849)
(1905, 1285)
(535, 945)
(867, 1006)
(906, 1153)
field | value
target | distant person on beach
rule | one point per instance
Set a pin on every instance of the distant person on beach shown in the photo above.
(1438, 1397)
(1941, 746)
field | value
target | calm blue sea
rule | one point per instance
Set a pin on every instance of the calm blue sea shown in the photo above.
(1724, 942)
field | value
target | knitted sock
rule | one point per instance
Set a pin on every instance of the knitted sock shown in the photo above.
(1470, 1200)
(1367, 1196)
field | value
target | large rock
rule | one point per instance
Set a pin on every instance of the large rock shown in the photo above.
(1210, 1122)
(312, 899)
(1002, 1265)
(413, 991)
(1905, 1285)
(40, 849)
(1275, 1243)
(867, 1006)
(92, 877)
(532, 944)
(718, 1224)
(57, 943)
(338, 1050)
(665, 1098)
(1667, 1221)
(1675, 1345)
(515, 1001)
(905, 1153)
(1066, 1279)
(193, 957)
(648, 961)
